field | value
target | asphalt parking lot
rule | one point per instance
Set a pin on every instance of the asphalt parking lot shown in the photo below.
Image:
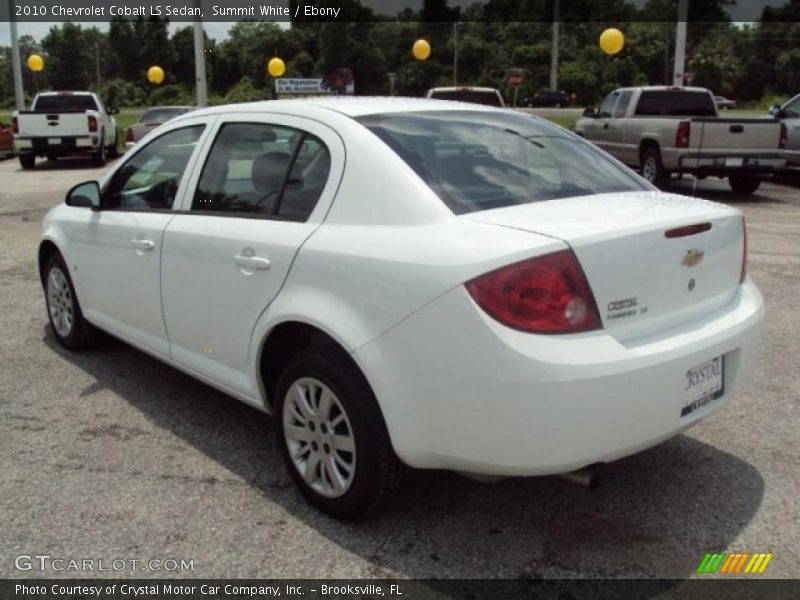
(109, 454)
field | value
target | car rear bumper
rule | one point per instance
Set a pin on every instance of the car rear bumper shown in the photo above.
(49, 145)
(460, 391)
(730, 163)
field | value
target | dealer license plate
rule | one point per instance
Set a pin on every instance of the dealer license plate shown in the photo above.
(54, 141)
(703, 385)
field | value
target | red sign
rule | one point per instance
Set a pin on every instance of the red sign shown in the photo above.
(515, 79)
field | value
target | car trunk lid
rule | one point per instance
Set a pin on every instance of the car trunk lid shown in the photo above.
(652, 259)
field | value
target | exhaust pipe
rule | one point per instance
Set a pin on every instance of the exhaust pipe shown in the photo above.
(588, 477)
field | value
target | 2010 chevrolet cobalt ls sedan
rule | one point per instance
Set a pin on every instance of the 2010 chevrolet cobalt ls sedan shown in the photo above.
(410, 282)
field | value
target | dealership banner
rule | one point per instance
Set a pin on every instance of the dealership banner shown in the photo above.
(369, 10)
(399, 589)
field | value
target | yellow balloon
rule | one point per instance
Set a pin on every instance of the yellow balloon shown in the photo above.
(155, 74)
(276, 67)
(35, 62)
(611, 41)
(421, 49)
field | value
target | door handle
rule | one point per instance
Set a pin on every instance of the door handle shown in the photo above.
(252, 262)
(143, 245)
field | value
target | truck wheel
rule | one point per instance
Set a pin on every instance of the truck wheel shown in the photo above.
(99, 157)
(743, 184)
(113, 151)
(52, 157)
(27, 161)
(653, 169)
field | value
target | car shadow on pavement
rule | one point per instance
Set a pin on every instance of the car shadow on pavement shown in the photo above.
(655, 515)
(718, 191)
(72, 163)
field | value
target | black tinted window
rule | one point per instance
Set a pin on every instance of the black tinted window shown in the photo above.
(151, 178)
(676, 103)
(248, 171)
(480, 160)
(64, 103)
(473, 97)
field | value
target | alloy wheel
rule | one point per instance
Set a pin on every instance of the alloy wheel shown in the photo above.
(60, 302)
(319, 437)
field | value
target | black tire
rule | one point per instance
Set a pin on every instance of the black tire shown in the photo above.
(99, 157)
(52, 157)
(113, 151)
(653, 169)
(378, 473)
(744, 184)
(27, 161)
(81, 334)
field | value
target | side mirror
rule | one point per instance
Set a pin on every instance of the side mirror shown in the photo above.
(113, 110)
(590, 112)
(776, 111)
(85, 194)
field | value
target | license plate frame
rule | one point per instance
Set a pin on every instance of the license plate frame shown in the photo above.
(54, 141)
(703, 384)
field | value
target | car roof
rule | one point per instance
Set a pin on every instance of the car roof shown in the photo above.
(464, 88)
(350, 106)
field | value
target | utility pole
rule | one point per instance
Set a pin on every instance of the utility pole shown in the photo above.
(554, 52)
(201, 87)
(455, 53)
(97, 61)
(19, 93)
(680, 43)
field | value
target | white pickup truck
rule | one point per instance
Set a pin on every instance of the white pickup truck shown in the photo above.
(64, 124)
(663, 130)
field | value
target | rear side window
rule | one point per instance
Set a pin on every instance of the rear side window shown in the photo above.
(675, 103)
(65, 103)
(471, 96)
(481, 160)
(260, 169)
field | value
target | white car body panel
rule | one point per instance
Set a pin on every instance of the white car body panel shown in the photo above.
(380, 267)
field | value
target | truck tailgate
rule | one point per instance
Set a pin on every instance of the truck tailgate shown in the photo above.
(735, 136)
(62, 124)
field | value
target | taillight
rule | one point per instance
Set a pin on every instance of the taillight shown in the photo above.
(744, 252)
(784, 139)
(92, 123)
(547, 294)
(129, 135)
(14, 125)
(682, 134)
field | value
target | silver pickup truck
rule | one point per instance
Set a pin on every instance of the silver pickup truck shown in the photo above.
(663, 130)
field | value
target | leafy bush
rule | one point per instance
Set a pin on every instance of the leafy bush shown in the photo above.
(245, 91)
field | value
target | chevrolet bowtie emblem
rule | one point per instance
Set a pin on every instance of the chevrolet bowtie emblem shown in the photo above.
(692, 258)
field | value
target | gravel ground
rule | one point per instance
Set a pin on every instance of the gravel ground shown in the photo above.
(109, 454)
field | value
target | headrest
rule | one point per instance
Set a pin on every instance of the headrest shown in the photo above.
(269, 170)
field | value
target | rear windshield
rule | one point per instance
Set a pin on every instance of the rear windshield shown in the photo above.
(676, 104)
(64, 103)
(161, 115)
(486, 98)
(480, 160)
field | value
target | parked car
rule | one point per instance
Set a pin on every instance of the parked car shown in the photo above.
(471, 289)
(723, 103)
(152, 118)
(664, 130)
(6, 140)
(64, 124)
(474, 95)
(546, 97)
(789, 114)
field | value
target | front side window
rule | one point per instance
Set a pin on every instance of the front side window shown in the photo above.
(260, 169)
(151, 178)
(607, 107)
(622, 105)
(481, 160)
(792, 109)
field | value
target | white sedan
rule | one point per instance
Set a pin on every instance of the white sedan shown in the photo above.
(410, 283)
